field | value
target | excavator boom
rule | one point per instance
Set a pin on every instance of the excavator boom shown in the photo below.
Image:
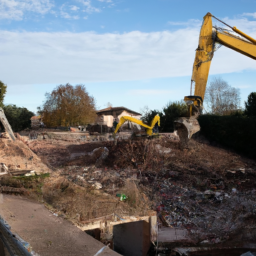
(246, 45)
(149, 129)
(237, 44)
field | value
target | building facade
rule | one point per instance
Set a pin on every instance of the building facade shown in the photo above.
(107, 116)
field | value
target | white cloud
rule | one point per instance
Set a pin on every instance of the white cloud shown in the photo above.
(250, 14)
(88, 6)
(15, 9)
(105, 1)
(189, 23)
(62, 57)
(74, 8)
(64, 14)
(150, 92)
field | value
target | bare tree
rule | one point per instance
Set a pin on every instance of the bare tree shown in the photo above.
(109, 105)
(221, 98)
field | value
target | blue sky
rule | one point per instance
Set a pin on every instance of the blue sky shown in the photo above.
(129, 53)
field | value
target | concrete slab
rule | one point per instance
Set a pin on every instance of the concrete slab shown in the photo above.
(166, 234)
(48, 234)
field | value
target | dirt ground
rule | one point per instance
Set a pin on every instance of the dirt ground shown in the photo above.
(206, 189)
(56, 153)
(17, 155)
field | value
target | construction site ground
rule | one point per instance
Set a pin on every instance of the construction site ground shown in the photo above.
(207, 190)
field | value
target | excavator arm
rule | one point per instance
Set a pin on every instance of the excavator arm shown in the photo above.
(209, 36)
(149, 129)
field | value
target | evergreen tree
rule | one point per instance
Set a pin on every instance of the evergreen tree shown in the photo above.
(2, 93)
(18, 118)
(250, 105)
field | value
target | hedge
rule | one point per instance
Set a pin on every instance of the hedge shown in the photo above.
(236, 132)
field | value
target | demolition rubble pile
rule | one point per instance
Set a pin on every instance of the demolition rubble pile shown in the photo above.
(85, 193)
(212, 207)
(207, 190)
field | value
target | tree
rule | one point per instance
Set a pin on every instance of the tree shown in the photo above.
(2, 93)
(250, 105)
(148, 115)
(221, 98)
(68, 105)
(172, 111)
(109, 105)
(18, 118)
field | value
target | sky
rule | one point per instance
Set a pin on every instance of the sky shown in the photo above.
(131, 53)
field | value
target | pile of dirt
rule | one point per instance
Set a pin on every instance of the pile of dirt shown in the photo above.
(17, 155)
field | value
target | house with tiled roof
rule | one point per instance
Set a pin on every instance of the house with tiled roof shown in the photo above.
(107, 116)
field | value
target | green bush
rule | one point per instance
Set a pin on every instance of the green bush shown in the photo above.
(19, 118)
(236, 132)
(250, 105)
(172, 111)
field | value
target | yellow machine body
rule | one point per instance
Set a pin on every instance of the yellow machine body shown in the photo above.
(243, 44)
(149, 129)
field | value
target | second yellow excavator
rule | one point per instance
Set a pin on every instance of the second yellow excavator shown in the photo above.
(149, 128)
(209, 37)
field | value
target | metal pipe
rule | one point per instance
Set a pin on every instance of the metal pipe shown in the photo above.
(222, 22)
(244, 35)
(237, 31)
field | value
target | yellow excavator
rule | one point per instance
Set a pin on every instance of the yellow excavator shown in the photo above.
(209, 38)
(149, 129)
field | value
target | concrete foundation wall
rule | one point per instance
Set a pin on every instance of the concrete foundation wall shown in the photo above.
(132, 239)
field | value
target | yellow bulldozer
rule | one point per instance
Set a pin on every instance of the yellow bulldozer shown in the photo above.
(209, 37)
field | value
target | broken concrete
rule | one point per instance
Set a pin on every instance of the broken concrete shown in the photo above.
(205, 196)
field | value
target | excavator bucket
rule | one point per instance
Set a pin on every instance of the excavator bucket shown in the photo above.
(186, 127)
